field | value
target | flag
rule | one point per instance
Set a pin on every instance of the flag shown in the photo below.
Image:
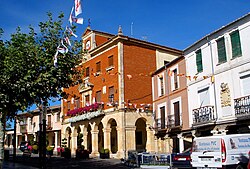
(189, 78)
(78, 7)
(71, 16)
(55, 59)
(62, 49)
(170, 72)
(71, 32)
(129, 76)
(77, 20)
(67, 41)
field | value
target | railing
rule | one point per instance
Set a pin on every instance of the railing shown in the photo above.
(242, 106)
(160, 123)
(172, 122)
(203, 115)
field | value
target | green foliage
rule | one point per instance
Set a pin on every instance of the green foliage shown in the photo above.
(35, 147)
(27, 70)
(104, 151)
(49, 148)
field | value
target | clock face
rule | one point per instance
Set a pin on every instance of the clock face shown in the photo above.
(88, 44)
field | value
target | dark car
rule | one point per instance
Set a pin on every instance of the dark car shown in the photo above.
(181, 160)
(24, 146)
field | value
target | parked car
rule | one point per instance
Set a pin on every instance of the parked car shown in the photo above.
(221, 151)
(181, 160)
(248, 165)
(24, 145)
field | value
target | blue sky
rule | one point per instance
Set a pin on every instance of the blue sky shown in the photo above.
(176, 23)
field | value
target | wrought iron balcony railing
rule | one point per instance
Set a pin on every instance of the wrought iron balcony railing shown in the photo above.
(173, 121)
(160, 123)
(203, 115)
(242, 106)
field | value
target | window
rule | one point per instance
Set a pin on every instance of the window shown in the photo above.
(245, 81)
(87, 71)
(98, 96)
(199, 61)
(58, 117)
(235, 41)
(49, 120)
(68, 105)
(111, 94)
(87, 100)
(175, 79)
(177, 113)
(162, 110)
(222, 57)
(77, 103)
(161, 86)
(110, 61)
(204, 97)
(98, 67)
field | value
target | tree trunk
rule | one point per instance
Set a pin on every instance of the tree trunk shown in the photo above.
(2, 136)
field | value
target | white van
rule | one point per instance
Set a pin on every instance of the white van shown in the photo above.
(221, 151)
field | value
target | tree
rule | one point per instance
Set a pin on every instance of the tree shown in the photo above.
(28, 72)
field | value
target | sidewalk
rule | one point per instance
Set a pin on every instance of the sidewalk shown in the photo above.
(11, 165)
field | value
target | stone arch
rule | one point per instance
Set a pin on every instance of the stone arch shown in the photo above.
(68, 135)
(89, 138)
(100, 137)
(141, 134)
(112, 124)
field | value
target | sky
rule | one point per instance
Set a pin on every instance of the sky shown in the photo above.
(173, 23)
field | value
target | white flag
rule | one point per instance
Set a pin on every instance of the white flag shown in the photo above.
(78, 7)
(77, 20)
(55, 59)
(71, 32)
(67, 41)
(71, 16)
(62, 49)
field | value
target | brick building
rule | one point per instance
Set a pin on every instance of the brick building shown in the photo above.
(112, 107)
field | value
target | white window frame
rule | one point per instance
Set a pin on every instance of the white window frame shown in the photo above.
(172, 78)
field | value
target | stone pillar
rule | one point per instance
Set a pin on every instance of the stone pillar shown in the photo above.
(85, 136)
(34, 136)
(181, 142)
(107, 142)
(130, 138)
(156, 144)
(121, 143)
(150, 139)
(17, 145)
(94, 135)
(73, 143)
(26, 137)
(56, 139)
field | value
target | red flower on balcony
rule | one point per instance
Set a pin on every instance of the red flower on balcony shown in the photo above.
(82, 110)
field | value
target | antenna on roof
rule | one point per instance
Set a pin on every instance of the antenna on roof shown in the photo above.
(89, 23)
(131, 28)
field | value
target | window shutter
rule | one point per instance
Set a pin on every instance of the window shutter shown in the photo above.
(199, 61)
(177, 113)
(98, 96)
(236, 46)
(162, 109)
(222, 57)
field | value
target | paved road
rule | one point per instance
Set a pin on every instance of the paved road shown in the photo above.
(61, 163)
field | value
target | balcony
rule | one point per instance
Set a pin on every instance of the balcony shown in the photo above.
(173, 121)
(160, 124)
(242, 107)
(203, 115)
